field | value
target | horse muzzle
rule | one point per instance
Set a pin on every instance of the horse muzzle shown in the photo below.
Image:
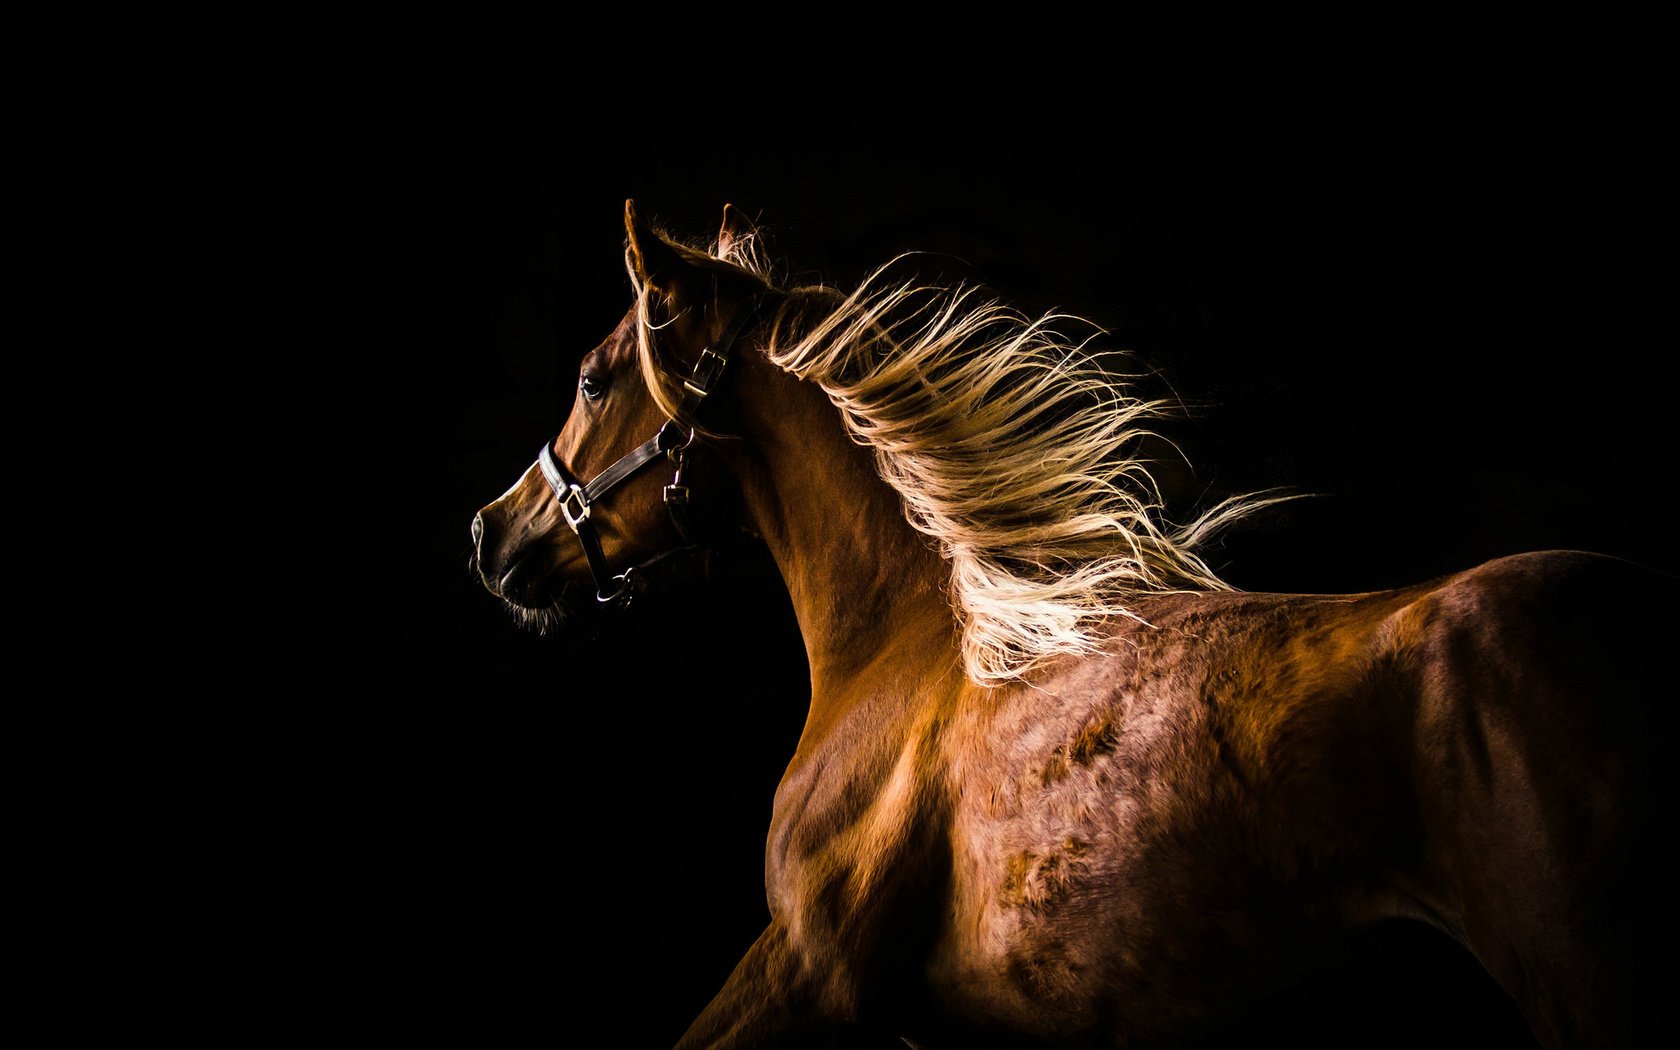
(514, 563)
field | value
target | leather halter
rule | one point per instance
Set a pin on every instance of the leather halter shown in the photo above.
(577, 500)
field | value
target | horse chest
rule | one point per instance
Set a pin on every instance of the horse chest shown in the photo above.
(848, 845)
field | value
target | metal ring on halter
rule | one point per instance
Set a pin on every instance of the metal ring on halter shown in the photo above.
(674, 446)
(623, 579)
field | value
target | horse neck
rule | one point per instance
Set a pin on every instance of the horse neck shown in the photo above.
(870, 592)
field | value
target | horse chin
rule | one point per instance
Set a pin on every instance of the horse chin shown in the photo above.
(553, 608)
(539, 595)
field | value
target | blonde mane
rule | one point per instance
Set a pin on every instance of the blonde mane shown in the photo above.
(1013, 446)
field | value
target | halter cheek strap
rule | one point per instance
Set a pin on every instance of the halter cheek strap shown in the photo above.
(577, 499)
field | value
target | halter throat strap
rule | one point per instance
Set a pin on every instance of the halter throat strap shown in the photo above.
(577, 499)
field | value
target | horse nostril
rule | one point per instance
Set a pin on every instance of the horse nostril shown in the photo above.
(477, 530)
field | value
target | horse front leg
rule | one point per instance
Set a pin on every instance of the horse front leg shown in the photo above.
(776, 998)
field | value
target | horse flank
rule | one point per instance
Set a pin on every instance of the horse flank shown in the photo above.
(1011, 445)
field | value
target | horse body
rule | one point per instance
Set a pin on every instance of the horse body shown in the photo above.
(1121, 848)
(1130, 847)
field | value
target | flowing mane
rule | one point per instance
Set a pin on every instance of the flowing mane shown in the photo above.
(1011, 444)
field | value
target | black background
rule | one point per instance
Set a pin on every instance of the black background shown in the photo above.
(1439, 314)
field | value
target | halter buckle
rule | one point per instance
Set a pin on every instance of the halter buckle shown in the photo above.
(582, 515)
(706, 371)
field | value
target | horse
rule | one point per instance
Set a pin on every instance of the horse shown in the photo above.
(1058, 784)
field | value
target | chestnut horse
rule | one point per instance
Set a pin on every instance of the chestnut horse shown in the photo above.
(1059, 785)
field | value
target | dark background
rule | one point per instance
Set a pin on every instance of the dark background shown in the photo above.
(1439, 315)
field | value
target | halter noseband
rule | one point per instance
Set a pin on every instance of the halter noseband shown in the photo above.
(672, 441)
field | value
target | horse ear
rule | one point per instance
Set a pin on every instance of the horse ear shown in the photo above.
(736, 228)
(652, 257)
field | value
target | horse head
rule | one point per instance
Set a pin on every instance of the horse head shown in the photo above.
(612, 490)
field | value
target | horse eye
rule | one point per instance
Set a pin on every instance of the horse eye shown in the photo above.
(593, 389)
